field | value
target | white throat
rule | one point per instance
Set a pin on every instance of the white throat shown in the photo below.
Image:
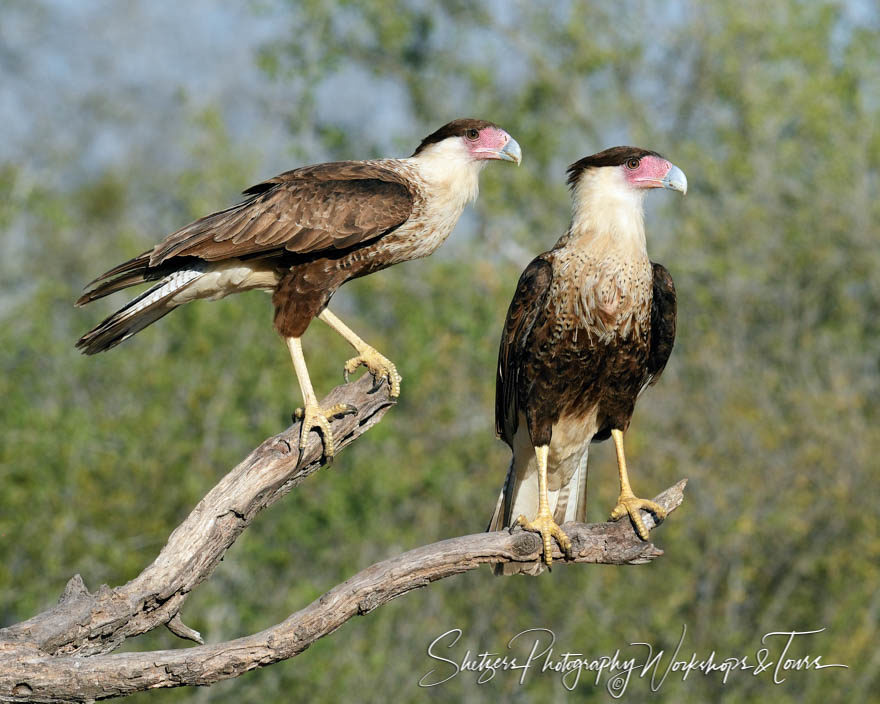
(450, 172)
(608, 214)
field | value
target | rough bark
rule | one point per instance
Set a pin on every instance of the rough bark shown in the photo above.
(88, 624)
(60, 655)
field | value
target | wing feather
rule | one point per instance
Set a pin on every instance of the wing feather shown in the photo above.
(663, 317)
(324, 207)
(527, 303)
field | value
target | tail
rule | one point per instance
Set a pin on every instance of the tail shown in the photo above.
(131, 273)
(138, 313)
(519, 496)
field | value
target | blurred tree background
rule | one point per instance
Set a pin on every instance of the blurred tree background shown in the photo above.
(124, 121)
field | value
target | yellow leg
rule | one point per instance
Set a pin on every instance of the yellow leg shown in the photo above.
(313, 416)
(628, 502)
(380, 367)
(544, 523)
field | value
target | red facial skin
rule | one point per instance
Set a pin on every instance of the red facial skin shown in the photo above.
(649, 173)
(488, 143)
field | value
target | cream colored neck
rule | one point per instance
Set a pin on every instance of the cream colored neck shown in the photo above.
(608, 215)
(450, 172)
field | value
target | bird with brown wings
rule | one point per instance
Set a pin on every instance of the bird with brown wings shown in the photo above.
(591, 325)
(303, 234)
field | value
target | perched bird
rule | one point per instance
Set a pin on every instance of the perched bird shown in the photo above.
(303, 234)
(591, 325)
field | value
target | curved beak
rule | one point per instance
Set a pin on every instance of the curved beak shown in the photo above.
(675, 180)
(510, 152)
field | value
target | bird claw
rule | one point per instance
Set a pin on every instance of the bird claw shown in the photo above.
(380, 367)
(313, 416)
(377, 384)
(631, 505)
(548, 528)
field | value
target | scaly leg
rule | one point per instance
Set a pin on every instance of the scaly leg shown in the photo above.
(628, 502)
(544, 523)
(379, 366)
(313, 416)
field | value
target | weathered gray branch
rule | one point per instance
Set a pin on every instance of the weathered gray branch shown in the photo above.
(87, 624)
(58, 656)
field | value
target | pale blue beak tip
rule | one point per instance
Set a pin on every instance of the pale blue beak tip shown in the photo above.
(675, 180)
(511, 152)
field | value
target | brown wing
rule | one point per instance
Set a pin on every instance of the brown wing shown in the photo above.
(527, 303)
(663, 315)
(315, 208)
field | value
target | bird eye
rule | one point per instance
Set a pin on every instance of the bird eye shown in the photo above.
(472, 134)
(632, 164)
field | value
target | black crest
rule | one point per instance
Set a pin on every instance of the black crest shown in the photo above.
(456, 128)
(610, 157)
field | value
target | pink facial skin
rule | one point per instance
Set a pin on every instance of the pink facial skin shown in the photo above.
(649, 173)
(493, 143)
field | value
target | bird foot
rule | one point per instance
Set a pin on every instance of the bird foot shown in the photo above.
(547, 527)
(313, 416)
(380, 367)
(631, 504)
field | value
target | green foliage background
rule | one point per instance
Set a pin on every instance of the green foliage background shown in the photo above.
(769, 404)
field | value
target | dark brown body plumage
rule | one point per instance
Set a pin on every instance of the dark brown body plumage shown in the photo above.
(554, 362)
(315, 228)
(301, 235)
(592, 323)
(583, 337)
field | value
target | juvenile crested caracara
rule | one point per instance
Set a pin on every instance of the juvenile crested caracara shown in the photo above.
(591, 325)
(303, 234)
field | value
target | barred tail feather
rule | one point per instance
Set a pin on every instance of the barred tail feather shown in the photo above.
(497, 521)
(134, 271)
(137, 314)
(571, 502)
(519, 495)
(504, 515)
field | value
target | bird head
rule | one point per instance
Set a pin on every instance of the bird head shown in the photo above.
(471, 140)
(608, 191)
(632, 168)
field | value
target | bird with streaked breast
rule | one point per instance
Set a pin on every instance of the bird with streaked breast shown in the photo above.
(303, 234)
(590, 326)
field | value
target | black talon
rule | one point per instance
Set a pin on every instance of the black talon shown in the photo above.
(377, 384)
(349, 410)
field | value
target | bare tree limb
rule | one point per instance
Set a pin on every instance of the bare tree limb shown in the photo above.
(87, 624)
(58, 656)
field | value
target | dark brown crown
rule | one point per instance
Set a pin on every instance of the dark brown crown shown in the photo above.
(610, 157)
(456, 128)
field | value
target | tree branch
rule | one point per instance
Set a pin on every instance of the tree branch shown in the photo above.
(41, 659)
(87, 624)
